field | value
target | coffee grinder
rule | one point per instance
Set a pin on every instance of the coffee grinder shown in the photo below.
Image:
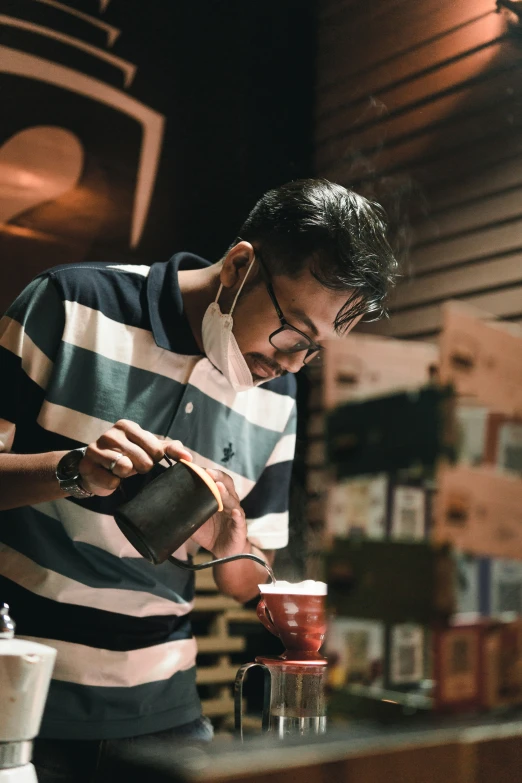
(294, 692)
(25, 675)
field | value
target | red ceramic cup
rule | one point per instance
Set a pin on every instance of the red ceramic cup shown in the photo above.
(298, 620)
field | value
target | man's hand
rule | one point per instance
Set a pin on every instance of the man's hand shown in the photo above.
(225, 533)
(135, 450)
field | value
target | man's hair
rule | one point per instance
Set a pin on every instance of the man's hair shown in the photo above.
(339, 234)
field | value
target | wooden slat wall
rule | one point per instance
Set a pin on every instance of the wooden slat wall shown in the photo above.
(430, 94)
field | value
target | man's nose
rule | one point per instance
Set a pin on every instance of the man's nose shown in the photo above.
(291, 362)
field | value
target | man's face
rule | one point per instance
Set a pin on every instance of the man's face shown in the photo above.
(305, 304)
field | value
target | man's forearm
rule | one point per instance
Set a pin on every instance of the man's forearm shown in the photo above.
(26, 479)
(240, 578)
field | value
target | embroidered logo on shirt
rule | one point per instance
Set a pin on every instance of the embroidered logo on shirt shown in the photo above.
(228, 453)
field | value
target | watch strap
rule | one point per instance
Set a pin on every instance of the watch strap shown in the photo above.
(74, 488)
(72, 484)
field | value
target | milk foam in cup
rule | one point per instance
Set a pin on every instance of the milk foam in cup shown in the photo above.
(308, 587)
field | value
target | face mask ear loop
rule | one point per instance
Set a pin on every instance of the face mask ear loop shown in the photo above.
(241, 286)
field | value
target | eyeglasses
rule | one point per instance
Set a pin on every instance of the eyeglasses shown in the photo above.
(288, 339)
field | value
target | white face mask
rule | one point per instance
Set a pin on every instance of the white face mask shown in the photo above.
(221, 346)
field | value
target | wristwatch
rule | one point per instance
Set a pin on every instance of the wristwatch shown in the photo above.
(68, 475)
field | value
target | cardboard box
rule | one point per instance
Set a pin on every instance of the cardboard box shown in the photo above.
(467, 590)
(355, 651)
(490, 668)
(408, 512)
(456, 662)
(405, 659)
(472, 426)
(362, 366)
(479, 512)
(501, 665)
(481, 358)
(505, 588)
(357, 507)
(478, 666)
(510, 677)
(503, 446)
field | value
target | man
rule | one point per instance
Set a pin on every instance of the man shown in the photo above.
(105, 368)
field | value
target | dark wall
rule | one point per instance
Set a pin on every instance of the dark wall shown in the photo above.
(233, 81)
(420, 105)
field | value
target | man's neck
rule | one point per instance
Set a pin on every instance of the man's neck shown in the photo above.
(198, 289)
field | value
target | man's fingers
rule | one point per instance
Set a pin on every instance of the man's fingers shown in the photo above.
(176, 450)
(142, 448)
(223, 491)
(225, 496)
(226, 488)
(96, 478)
(217, 475)
(123, 467)
(126, 449)
(119, 464)
(231, 503)
(146, 441)
(224, 478)
(112, 460)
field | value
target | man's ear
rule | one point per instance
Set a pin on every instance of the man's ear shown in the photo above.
(236, 264)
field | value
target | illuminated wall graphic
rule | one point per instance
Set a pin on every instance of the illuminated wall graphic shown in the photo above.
(42, 163)
(158, 103)
(112, 32)
(32, 67)
(128, 69)
(36, 165)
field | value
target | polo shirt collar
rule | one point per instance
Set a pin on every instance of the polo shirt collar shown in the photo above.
(170, 326)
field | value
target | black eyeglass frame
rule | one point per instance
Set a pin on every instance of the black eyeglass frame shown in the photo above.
(313, 348)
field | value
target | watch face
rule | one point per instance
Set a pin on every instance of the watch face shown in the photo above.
(68, 465)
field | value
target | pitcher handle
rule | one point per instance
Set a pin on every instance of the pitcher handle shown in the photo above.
(238, 697)
(264, 616)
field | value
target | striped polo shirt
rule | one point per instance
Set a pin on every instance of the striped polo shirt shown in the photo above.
(82, 347)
